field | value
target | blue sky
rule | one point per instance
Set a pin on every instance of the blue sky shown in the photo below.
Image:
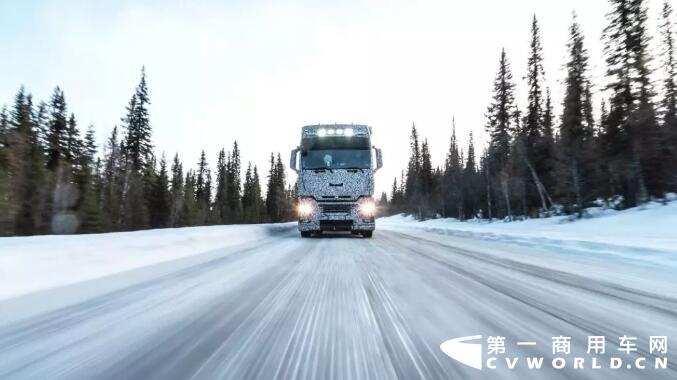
(258, 71)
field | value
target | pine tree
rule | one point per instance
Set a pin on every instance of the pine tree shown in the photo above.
(533, 121)
(285, 194)
(57, 130)
(138, 147)
(234, 183)
(669, 102)
(500, 121)
(112, 183)
(189, 212)
(256, 195)
(222, 214)
(160, 198)
(452, 179)
(89, 209)
(73, 148)
(470, 183)
(202, 190)
(176, 193)
(251, 196)
(139, 161)
(7, 204)
(277, 197)
(413, 191)
(27, 166)
(427, 182)
(630, 137)
(576, 132)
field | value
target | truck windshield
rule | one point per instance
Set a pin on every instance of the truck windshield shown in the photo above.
(336, 159)
(335, 152)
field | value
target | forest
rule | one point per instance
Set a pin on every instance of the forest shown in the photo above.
(538, 164)
(52, 179)
(619, 150)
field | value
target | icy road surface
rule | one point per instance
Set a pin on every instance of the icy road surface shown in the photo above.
(282, 307)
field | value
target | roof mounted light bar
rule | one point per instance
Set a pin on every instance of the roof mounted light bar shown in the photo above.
(336, 130)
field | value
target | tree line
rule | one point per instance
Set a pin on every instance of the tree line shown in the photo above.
(537, 164)
(52, 179)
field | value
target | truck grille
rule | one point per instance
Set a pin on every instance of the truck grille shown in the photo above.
(336, 225)
(336, 208)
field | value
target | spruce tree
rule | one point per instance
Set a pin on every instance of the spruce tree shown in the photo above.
(202, 191)
(413, 191)
(452, 178)
(631, 124)
(234, 183)
(138, 147)
(427, 181)
(222, 214)
(176, 193)
(251, 196)
(160, 197)
(89, 208)
(470, 183)
(57, 130)
(669, 102)
(576, 132)
(500, 122)
(112, 183)
(533, 121)
(189, 212)
(27, 166)
(7, 204)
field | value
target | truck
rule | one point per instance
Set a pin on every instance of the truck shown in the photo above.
(335, 166)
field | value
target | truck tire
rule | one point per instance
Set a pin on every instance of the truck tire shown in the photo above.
(306, 234)
(367, 234)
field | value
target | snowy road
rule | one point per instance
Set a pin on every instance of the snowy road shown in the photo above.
(284, 307)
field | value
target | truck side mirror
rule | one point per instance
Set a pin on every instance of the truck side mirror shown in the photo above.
(379, 159)
(292, 160)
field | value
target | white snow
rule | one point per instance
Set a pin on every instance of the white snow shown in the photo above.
(29, 264)
(653, 226)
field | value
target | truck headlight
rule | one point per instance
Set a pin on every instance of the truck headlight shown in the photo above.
(367, 207)
(305, 208)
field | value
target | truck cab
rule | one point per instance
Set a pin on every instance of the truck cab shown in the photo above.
(335, 165)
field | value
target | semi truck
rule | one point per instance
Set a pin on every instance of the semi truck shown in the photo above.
(335, 166)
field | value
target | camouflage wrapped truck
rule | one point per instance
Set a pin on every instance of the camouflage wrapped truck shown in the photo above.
(335, 185)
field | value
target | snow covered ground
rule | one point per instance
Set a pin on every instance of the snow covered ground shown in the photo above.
(262, 303)
(651, 227)
(29, 264)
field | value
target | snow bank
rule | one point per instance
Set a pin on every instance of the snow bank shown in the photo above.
(29, 264)
(653, 226)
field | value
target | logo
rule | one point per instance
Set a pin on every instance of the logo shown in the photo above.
(469, 354)
(624, 353)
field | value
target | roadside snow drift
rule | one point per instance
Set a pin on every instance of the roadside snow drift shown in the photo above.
(653, 226)
(29, 264)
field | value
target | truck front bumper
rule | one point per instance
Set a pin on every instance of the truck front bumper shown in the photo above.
(337, 221)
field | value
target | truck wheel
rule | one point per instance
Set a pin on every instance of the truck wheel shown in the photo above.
(367, 234)
(306, 234)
